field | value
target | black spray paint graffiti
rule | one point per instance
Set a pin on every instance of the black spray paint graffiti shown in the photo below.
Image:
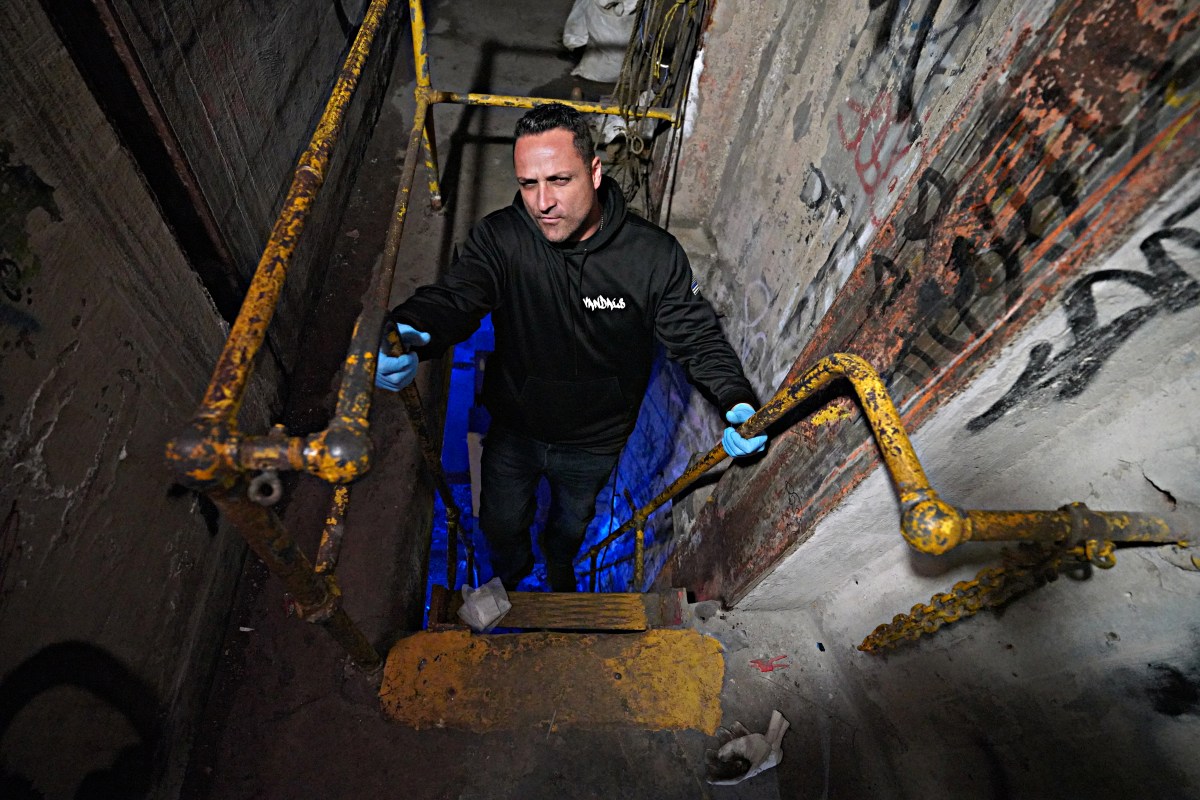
(988, 268)
(880, 143)
(921, 48)
(1169, 288)
(883, 132)
(990, 258)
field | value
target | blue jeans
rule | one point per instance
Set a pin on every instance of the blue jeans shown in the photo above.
(512, 467)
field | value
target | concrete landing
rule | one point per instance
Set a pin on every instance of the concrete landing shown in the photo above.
(657, 680)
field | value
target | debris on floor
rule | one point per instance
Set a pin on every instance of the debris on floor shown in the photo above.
(744, 754)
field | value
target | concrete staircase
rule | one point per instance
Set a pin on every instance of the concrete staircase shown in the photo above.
(580, 660)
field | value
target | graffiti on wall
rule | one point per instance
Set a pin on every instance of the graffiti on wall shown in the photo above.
(1005, 209)
(905, 59)
(924, 44)
(975, 242)
(1167, 287)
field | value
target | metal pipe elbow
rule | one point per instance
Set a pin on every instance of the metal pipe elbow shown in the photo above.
(933, 526)
(202, 455)
(339, 454)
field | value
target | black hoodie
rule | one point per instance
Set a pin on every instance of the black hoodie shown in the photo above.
(576, 323)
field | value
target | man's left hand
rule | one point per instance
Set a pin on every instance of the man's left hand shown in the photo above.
(734, 443)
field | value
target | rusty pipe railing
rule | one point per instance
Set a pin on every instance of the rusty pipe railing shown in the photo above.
(315, 597)
(425, 92)
(211, 452)
(212, 455)
(927, 522)
(508, 101)
(416, 416)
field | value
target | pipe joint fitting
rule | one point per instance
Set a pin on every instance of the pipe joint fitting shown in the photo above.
(339, 454)
(933, 526)
(202, 456)
(323, 611)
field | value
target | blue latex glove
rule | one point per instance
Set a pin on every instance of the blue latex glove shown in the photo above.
(395, 372)
(734, 443)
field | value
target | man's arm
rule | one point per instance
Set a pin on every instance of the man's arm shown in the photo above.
(688, 327)
(450, 309)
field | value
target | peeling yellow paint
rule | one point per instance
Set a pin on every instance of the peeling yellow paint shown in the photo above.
(1176, 99)
(660, 679)
(830, 413)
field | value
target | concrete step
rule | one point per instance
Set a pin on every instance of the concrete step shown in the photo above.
(654, 680)
(573, 611)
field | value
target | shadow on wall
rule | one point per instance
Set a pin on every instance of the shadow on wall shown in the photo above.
(99, 744)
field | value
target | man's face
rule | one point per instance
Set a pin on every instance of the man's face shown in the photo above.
(557, 187)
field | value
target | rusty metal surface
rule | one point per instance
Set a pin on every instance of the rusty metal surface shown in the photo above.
(226, 390)
(335, 528)
(316, 598)
(661, 679)
(1022, 571)
(962, 262)
(209, 453)
(510, 101)
(429, 143)
(889, 433)
(420, 43)
(1074, 534)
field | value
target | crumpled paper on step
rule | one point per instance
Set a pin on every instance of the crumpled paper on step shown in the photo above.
(482, 608)
(744, 754)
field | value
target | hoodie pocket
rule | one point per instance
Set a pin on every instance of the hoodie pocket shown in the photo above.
(570, 411)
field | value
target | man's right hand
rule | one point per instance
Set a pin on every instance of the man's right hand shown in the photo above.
(395, 372)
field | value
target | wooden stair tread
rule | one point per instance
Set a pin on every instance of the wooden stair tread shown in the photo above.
(574, 611)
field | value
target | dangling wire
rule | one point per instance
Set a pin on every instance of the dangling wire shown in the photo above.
(654, 73)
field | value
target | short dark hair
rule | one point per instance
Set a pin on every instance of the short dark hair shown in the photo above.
(549, 116)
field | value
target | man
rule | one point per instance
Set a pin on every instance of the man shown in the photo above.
(579, 290)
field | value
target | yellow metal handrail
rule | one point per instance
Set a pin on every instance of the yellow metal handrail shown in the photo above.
(212, 453)
(927, 522)
(425, 92)
(213, 456)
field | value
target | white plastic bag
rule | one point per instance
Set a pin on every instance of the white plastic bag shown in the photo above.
(575, 32)
(482, 608)
(605, 27)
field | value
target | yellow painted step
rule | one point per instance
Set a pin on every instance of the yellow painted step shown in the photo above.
(660, 679)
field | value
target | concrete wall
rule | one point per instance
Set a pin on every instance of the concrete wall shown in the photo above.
(914, 183)
(996, 205)
(114, 584)
(243, 84)
(1086, 686)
